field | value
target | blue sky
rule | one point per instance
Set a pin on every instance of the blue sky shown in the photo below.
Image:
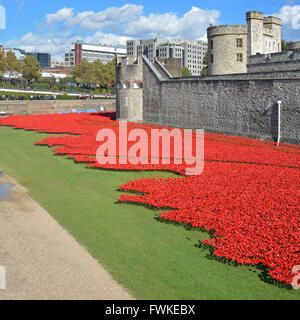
(52, 26)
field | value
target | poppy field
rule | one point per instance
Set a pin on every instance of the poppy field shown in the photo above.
(247, 197)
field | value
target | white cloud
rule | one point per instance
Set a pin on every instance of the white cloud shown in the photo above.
(111, 18)
(112, 26)
(56, 44)
(107, 38)
(290, 16)
(61, 15)
(192, 25)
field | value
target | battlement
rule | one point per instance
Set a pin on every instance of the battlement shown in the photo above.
(268, 31)
(124, 61)
(286, 56)
(272, 20)
(255, 15)
(225, 29)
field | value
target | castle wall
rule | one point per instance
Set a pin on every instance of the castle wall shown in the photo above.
(235, 106)
(282, 61)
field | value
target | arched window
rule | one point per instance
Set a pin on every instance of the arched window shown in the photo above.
(126, 85)
(138, 84)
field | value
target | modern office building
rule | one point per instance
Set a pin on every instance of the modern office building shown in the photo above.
(55, 64)
(43, 58)
(194, 53)
(19, 53)
(293, 46)
(93, 52)
(190, 52)
(149, 48)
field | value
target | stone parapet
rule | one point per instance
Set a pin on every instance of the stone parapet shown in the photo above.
(225, 29)
(55, 106)
(272, 20)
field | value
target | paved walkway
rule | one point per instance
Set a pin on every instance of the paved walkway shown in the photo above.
(41, 259)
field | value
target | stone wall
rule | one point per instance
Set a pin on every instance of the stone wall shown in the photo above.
(173, 66)
(235, 106)
(281, 61)
(55, 106)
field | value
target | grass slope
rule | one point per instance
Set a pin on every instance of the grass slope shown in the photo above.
(153, 260)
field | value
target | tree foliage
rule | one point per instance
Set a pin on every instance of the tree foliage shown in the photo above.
(185, 72)
(31, 69)
(2, 65)
(95, 73)
(283, 45)
(204, 71)
(13, 65)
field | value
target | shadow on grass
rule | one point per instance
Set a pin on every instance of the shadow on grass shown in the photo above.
(264, 274)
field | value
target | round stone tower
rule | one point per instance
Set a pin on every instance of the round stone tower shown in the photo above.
(227, 49)
(129, 93)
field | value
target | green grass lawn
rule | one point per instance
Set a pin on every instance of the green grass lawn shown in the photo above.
(153, 260)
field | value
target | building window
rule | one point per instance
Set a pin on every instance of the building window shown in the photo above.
(239, 57)
(138, 85)
(211, 44)
(211, 58)
(126, 85)
(239, 43)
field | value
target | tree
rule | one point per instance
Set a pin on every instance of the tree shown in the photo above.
(185, 72)
(98, 73)
(111, 72)
(95, 73)
(204, 71)
(108, 76)
(13, 65)
(83, 72)
(283, 45)
(31, 69)
(2, 66)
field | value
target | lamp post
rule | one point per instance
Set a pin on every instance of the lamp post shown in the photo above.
(279, 116)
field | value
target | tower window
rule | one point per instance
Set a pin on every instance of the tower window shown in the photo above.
(211, 58)
(239, 57)
(126, 85)
(239, 43)
(211, 44)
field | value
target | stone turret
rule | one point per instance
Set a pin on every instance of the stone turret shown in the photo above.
(230, 47)
(129, 95)
(255, 21)
(227, 44)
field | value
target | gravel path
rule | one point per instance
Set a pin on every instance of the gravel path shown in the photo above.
(42, 260)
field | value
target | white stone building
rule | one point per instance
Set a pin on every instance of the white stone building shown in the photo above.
(230, 46)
